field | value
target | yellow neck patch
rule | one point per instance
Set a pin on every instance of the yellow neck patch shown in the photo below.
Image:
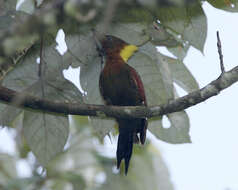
(127, 52)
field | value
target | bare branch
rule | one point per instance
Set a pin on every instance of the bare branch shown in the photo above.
(225, 80)
(220, 53)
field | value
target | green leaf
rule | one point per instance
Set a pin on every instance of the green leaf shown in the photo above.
(167, 76)
(78, 123)
(8, 114)
(80, 154)
(50, 131)
(7, 5)
(22, 183)
(179, 51)
(146, 64)
(178, 132)
(152, 3)
(39, 2)
(161, 37)
(22, 147)
(67, 180)
(130, 12)
(27, 6)
(5, 21)
(9, 16)
(189, 21)
(227, 5)
(180, 74)
(25, 77)
(59, 184)
(7, 168)
(45, 134)
(133, 33)
(81, 50)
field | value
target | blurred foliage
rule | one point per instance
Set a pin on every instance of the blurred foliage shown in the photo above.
(30, 63)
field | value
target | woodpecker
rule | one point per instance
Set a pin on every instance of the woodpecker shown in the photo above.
(121, 85)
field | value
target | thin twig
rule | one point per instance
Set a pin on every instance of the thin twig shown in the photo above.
(220, 53)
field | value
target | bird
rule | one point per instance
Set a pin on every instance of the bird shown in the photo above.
(121, 85)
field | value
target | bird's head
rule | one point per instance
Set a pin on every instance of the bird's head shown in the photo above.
(112, 45)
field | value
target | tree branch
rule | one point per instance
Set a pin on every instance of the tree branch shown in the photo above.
(225, 80)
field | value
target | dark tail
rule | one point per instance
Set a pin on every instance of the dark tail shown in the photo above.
(124, 148)
(128, 129)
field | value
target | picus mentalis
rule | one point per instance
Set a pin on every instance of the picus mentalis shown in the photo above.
(121, 85)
